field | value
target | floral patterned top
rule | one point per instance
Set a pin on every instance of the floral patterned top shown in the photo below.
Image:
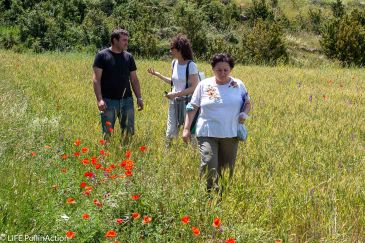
(219, 107)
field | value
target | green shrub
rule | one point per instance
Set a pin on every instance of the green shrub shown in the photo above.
(9, 38)
(344, 39)
(95, 29)
(264, 44)
(315, 18)
(259, 10)
(338, 10)
(192, 23)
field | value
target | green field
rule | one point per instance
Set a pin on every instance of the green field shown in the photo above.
(299, 177)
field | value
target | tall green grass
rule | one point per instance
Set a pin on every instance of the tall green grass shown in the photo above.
(299, 177)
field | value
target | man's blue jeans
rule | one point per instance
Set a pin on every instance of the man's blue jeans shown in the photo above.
(121, 108)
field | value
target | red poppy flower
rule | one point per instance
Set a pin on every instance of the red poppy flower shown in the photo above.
(146, 219)
(97, 166)
(128, 173)
(88, 188)
(128, 154)
(84, 150)
(216, 222)
(102, 142)
(108, 123)
(64, 156)
(85, 216)
(34, 154)
(70, 234)
(77, 154)
(85, 161)
(102, 151)
(195, 230)
(135, 215)
(230, 240)
(135, 197)
(111, 234)
(94, 160)
(113, 176)
(110, 129)
(278, 241)
(127, 164)
(119, 221)
(82, 184)
(124, 163)
(77, 142)
(185, 219)
(70, 200)
(142, 148)
(108, 169)
(89, 174)
(98, 203)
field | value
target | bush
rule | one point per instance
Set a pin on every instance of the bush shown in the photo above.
(264, 44)
(338, 10)
(9, 38)
(95, 29)
(191, 21)
(259, 10)
(33, 27)
(344, 39)
(315, 17)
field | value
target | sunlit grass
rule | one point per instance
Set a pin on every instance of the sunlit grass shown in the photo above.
(299, 177)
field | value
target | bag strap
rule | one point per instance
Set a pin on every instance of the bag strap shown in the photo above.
(172, 71)
(187, 74)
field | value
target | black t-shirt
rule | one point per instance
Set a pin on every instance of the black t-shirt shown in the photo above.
(116, 73)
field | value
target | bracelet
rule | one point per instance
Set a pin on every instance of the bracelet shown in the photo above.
(140, 98)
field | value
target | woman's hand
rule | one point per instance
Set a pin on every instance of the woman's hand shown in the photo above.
(242, 117)
(172, 95)
(153, 72)
(186, 135)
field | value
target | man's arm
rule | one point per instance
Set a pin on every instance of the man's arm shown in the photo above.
(97, 72)
(136, 89)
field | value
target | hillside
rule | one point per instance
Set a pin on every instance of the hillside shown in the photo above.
(265, 32)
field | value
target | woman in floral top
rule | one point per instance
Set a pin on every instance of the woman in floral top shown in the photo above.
(223, 102)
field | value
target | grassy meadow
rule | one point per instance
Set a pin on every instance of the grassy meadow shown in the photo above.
(298, 178)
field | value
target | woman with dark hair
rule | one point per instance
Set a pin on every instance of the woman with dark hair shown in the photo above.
(224, 102)
(183, 81)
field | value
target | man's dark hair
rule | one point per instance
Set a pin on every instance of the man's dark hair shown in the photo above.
(117, 33)
(222, 57)
(182, 44)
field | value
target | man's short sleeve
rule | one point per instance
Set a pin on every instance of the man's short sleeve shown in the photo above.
(132, 64)
(99, 61)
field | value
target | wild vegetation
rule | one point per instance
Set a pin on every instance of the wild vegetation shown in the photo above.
(299, 177)
(259, 31)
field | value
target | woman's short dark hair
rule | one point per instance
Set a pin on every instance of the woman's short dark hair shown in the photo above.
(117, 33)
(222, 57)
(182, 44)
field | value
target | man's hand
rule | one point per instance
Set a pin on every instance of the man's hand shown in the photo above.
(140, 104)
(101, 105)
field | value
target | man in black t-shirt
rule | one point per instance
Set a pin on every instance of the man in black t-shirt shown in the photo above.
(114, 74)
